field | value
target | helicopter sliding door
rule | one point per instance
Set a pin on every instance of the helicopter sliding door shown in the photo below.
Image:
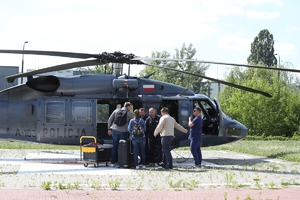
(104, 110)
(3, 120)
(179, 109)
(221, 119)
(63, 121)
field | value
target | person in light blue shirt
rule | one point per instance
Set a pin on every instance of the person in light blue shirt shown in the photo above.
(138, 142)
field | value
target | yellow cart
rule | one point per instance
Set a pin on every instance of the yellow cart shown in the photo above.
(93, 153)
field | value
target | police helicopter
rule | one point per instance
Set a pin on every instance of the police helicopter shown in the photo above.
(59, 110)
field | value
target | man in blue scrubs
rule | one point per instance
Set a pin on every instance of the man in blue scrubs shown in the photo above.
(196, 123)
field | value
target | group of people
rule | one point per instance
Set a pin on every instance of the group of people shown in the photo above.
(157, 130)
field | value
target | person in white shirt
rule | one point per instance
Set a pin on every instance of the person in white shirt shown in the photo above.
(166, 127)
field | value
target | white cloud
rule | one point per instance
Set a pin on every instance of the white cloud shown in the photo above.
(283, 48)
(292, 29)
(259, 2)
(135, 26)
(262, 15)
(234, 42)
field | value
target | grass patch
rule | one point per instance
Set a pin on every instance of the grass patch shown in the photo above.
(287, 150)
(31, 145)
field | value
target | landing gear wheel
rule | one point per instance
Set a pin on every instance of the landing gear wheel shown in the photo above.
(106, 164)
(96, 165)
(85, 164)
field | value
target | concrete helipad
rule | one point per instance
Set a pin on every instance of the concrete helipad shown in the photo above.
(63, 170)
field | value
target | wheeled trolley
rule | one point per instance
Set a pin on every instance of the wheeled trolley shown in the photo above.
(94, 153)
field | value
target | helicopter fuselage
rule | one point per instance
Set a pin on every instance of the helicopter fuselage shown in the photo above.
(59, 110)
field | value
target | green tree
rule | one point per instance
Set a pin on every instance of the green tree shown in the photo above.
(276, 116)
(262, 49)
(177, 78)
(98, 69)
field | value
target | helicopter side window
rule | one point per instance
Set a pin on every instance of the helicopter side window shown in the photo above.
(55, 112)
(81, 112)
(102, 113)
(184, 114)
(173, 108)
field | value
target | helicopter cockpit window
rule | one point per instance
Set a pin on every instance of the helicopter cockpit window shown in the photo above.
(81, 112)
(207, 108)
(55, 112)
(102, 113)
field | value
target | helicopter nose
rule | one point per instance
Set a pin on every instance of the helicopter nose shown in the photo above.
(243, 131)
(236, 130)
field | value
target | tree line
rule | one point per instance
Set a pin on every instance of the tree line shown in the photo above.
(276, 116)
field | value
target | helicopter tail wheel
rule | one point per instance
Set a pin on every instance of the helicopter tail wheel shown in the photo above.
(85, 164)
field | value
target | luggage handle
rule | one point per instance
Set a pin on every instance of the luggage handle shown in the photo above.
(131, 149)
(130, 145)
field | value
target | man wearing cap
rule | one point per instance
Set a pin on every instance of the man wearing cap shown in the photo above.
(166, 127)
(118, 132)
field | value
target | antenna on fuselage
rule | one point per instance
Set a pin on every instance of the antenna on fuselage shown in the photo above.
(181, 93)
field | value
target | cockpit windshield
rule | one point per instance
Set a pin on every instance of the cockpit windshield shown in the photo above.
(207, 106)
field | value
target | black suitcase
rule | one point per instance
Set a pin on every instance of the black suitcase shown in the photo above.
(125, 154)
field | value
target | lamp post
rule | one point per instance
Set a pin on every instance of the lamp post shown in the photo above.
(23, 61)
(277, 54)
(278, 65)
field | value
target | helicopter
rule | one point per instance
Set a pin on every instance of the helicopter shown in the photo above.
(59, 110)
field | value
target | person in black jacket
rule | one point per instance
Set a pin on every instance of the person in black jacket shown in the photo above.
(151, 123)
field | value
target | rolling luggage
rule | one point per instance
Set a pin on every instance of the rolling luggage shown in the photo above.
(94, 153)
(125, 154)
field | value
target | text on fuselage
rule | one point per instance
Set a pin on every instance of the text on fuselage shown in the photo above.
(63, 133)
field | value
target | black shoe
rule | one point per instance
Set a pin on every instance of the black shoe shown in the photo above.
(168, 167)
(196, 166)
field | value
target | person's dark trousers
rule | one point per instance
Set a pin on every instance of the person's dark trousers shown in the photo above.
(196, 151)
(139, 148)
(166, 142)
(152, 143)
(147, 149)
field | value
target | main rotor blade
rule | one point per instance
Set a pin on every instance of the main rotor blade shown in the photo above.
(85, 63)
(53, 53)
(216, 80)
(218, 63)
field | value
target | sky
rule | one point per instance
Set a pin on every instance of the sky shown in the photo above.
(220, 30)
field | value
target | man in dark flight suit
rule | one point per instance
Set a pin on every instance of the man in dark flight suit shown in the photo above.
(151, 123)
